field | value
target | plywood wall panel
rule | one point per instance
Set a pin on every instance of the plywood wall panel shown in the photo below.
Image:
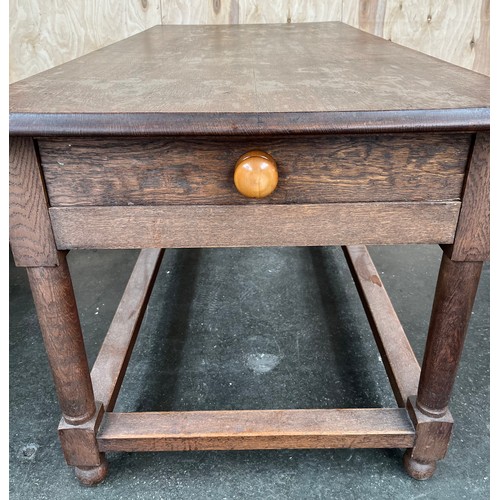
(366, 15)
(200, 11)
(456, 31)
(482, 41)
(45, 33)
(249, 11)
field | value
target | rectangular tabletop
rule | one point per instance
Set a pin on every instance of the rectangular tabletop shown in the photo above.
(311, 77)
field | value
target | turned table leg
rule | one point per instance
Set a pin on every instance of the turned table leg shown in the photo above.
(58, 316)
(455, 292)
(33, 246)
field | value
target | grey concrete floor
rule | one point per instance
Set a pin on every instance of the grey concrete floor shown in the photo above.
(248, 328)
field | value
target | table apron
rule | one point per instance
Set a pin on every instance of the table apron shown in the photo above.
(255, 225)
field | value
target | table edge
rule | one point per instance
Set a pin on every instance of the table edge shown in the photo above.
(220, 124)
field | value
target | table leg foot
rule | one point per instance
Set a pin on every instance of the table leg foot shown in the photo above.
(90, 476)
(418, 470)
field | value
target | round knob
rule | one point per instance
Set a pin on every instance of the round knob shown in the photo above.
(256, 174)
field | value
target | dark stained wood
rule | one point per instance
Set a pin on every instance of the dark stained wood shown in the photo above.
(79, 442)
(111, 363)
(31, 237)
(227, 124)
(433, 434)
(254, 225)
(234, 79)
(312, 169)
(453, 301)
(58, 316)
(431, 441)
(317, 97)
(399, 360)
(472, 241)
(90, 476)
(256, 429)
(80, 448)
(418, 470)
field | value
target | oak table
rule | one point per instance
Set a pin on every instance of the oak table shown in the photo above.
(258, 135)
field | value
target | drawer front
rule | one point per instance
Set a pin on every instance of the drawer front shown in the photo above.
(312, 169)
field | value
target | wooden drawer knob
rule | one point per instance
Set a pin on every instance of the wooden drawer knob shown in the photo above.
(256, 174)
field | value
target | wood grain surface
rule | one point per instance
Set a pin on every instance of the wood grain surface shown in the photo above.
(238, 124)
(432, 434)
(111, 362)
(252, 69)
(472, 241)
(256, 429)
(249, 11)
(62, 335)
(457, 32)
(79, 442)
(30, 232)
(395, 350)
(312, 169)
(451, 310)
(254, 225)
(46, 33)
